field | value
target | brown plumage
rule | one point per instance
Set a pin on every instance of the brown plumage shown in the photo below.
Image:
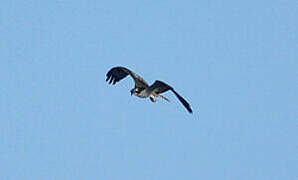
(142, 89)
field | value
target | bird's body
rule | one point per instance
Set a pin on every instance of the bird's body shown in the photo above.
(142, 89)
(142, 93)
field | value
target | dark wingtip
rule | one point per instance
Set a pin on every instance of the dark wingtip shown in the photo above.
(183, 101)
(115, 74)
(111, 80)
(187, 106)
(108, 77)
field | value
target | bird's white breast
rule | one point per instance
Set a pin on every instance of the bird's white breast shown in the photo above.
(143, 94)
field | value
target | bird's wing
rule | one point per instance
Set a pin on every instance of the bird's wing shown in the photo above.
(159, 87)
(117, 73)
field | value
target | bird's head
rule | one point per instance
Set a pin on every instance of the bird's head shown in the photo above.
(135, 91)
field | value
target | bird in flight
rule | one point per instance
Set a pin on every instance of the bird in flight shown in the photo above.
(142, 89)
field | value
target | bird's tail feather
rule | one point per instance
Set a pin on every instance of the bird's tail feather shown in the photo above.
(162, 97)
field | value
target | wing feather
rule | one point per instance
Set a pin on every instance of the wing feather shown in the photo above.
(118, 73)
(159, 87)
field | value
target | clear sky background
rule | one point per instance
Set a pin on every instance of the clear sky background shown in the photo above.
(234, 61)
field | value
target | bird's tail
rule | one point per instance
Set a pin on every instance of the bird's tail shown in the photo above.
(162, 97)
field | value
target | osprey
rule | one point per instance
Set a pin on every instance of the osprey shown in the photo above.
(142, 89)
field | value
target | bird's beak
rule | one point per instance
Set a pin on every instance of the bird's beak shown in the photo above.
(131, 93)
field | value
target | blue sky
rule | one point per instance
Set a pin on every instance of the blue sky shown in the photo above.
(234, 61)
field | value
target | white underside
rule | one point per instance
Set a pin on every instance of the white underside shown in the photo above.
(146, 93)
(143, 94)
